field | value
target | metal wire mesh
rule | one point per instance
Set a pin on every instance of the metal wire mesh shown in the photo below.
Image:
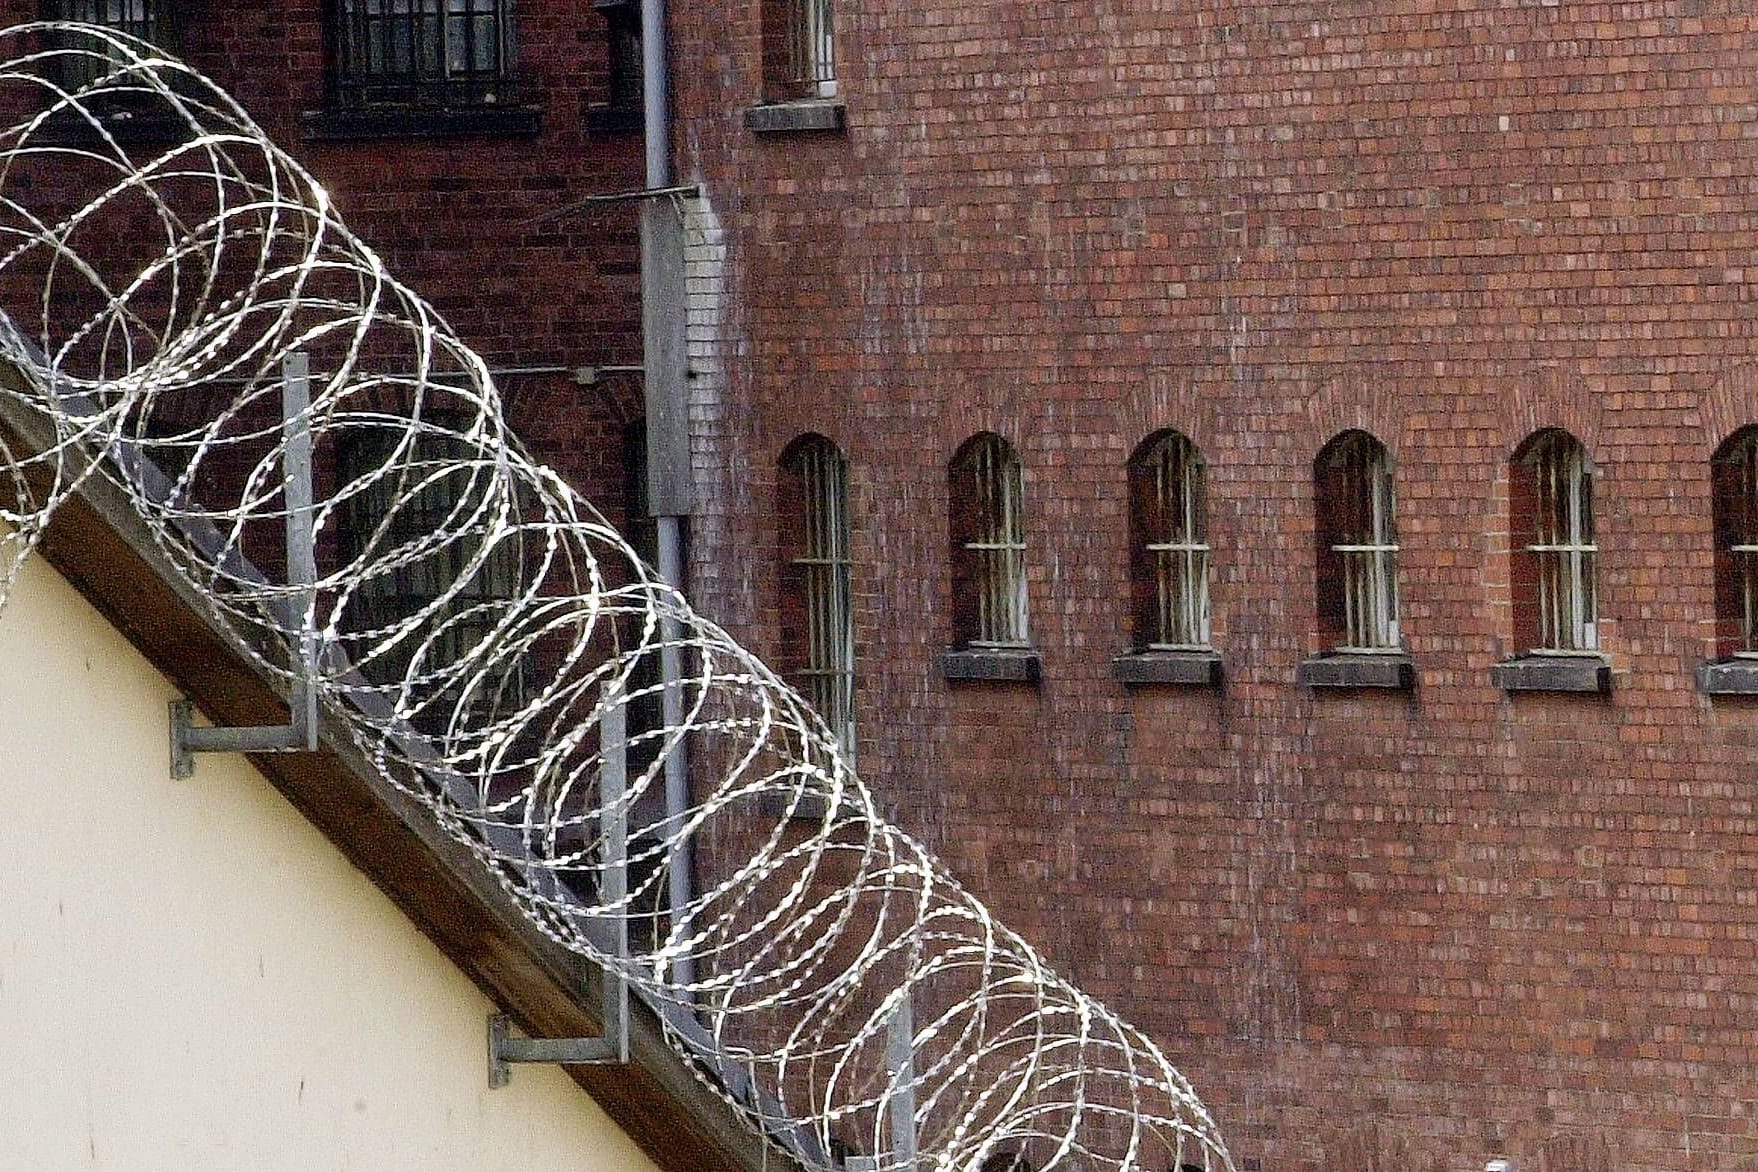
(149, 303)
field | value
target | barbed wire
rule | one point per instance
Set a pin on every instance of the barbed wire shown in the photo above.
(476, 620)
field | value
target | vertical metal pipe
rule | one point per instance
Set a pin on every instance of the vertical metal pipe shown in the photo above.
(301, 543)
(677, 777)
(655, 94)
(900, 1056)
(614, 775)
(656, 129)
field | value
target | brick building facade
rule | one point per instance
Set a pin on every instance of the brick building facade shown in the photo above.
(447, 136)
(1449, 308)
(1462, 281)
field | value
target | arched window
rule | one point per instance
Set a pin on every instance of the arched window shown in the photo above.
(1357, 544)
(817, 619)
(1551, 505)
(1734, 479)
(986, 488)
(1169, 544)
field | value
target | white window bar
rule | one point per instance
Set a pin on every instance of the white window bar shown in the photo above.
(1564, 549)
(1746, 566)
(812, 48)
(141, 18)
(427, 50)
(1181, 557)
(999, 550)
(1368, 546)
(829, 674)
(1744, 548)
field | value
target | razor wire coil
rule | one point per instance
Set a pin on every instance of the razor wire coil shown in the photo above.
(475, 617)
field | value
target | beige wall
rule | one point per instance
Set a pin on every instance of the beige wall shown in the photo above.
(192, 978)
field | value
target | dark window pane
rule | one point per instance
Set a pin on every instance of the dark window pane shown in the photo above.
(421, 52)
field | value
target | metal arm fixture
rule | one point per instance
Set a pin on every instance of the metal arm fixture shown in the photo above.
(612, 1048)
(299, 734)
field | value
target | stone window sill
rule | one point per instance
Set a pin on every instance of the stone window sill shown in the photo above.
(1397, 672)
(1728, 677)
(810, 115)
(991, 665)
(399, 122)
(1554, 673)
(1190, 669)
(130, 125)
(805, 808)
(614, 119)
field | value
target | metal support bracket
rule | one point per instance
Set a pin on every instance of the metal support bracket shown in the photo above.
(612, 1048)
(299, 735)
(504, 1048)
(900, 1062)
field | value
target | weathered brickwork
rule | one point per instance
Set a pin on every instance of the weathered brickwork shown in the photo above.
(1400, 929)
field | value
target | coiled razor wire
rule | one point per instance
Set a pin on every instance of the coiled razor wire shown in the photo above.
(476, 620)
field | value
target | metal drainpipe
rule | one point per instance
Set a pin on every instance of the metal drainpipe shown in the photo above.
(656, 131)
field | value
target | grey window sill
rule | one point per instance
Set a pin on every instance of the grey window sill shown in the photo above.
(1397, 672)
(1553, 673)
(1728, 677)
(1191, 669)
(145, 124)
(805, 808)
(814, 114)
(989, 665)
(613, 119)
(414, 122)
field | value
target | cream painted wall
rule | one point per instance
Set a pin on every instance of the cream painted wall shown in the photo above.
(192, 978)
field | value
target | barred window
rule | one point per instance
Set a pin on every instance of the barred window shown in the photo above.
(395, 510)
(1734, 474)
(799, 50)
(1358, 544)
(146, 19)
(1169, 548)
(150, 20)
(622, 26)
(987, 486)
(436, 53)
(1555, 600)
(818, 615)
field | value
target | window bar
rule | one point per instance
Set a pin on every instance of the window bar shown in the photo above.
(1181, 560)
(999, 549)
(1746, 559)
(1012, 489)
(987, 573)
(829, 671)
(1368, 551)
(1744, 551)
(818, 32)
(1550, 632)
(1577, 614)
(1197, 557)
(995, 513)
(140, 18)
(1565, 550)
(1581, 480)
(1012, 578)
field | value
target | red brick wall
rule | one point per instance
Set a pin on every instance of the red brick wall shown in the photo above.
(1436, 926)
(452, 217)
